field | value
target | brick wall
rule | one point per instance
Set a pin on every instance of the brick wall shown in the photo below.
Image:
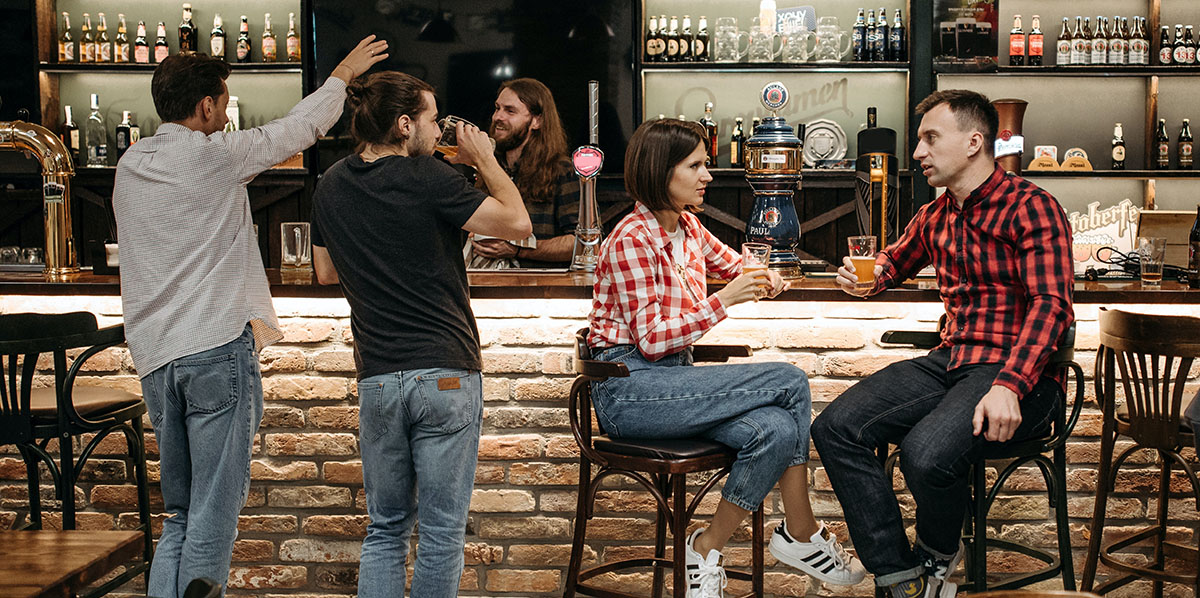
(301, 529)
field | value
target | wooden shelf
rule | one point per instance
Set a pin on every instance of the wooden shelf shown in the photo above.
(128, 68)
(786, 67)
(1088, 71)
(1112, 174)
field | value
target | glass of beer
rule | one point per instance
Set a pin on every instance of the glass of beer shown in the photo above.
(447, 142)
(862, 256)
(1151, 251)
(755, 257)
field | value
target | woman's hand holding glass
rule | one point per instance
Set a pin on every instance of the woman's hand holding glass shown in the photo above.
(746, 287)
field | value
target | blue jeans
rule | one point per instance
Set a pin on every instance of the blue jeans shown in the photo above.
(761, 409)
(205, 409)
(419, 436)
(927, 411)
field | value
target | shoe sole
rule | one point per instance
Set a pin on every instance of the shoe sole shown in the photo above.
(808, 569)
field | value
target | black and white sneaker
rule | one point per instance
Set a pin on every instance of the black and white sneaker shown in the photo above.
(941, 569)
(705, 575)
(821, 557)
(926, 586)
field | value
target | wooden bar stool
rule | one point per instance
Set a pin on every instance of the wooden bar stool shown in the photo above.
(1151, 357)
(661, 467)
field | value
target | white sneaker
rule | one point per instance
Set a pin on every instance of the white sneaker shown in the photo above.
(705, 575)
(821, 557)
(940, 569)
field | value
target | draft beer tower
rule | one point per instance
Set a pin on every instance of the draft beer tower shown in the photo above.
(774, 157)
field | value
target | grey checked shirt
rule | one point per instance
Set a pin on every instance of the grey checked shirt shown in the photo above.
(191, 274)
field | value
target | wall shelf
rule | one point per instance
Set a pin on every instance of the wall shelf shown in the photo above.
(128, 68)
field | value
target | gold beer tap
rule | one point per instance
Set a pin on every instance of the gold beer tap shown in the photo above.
(57, 170)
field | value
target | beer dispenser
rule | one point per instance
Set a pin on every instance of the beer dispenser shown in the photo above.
(877, 182)
(57, 170)
(774, 157)
(587, 160)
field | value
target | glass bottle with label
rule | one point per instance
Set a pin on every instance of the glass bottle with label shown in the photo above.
(1166, 50)
(103, 43)
(1194, 253)
(243, 41)
(673, 40)
(1185, 146)
(87, 40)
(700, 42)
(216, 40)
(869, 40)
(96, 137)
(737, 143)
(1086, 37)
(649, 54)
(1037, 42)
(268, 40)
(1100, 42)
(858, 38)
(881, 37)
(1189, 46)
(135, 132)
(1179, 53)
(710, 130)
(1117, 47)
(293, 39)
(1079, 47)
(161, 49)
(1016, 43)
(1162, 142)
(66, 42)
(141, 48)
(1063, 56)
(121, 45)
(899, 39)
(1137, 45)
(1118, 148)
(685, 40)
(70, 136)
(122, 135)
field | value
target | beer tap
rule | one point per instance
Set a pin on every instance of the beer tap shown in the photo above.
(773, 161)
(57, 170)
(587, 160)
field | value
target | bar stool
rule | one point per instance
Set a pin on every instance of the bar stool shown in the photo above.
(31, 417)
(1018, 454)
(1034, 594)
(661, 467)
(1152, 356)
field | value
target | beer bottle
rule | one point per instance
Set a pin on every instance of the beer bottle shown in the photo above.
(1100, 42)
(737, 143)
(1016, 43)
(1087, 40)
(685, 40)
(858, 38)
(753, 129)
(1179, 52)
(161, 49)
(243, 41)
(1116, 43)
(103, 44)
(70, 136)
(141, 48)
(122, 136)
(87, 41)
(189, 36)
(1137, 44)
(899, 40)
(673, 40)
(1194, 253)
(651, 40)
(121, 45)
(1166, 51)
(1118, 148)
(1064, 44)
(66, 43)
(269, 49)
(882, 38)
(1189, 44)
(1079, 54)
(216, 39)
(869, 40)
(1037, 42)
(700, 42)
(293, 39)
(872, 117)
(662, 39)
(710, 129)
(1185, 146)
(1163, 158)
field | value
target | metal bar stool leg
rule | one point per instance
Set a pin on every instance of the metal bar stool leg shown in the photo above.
(1065, 550)
(137, 450)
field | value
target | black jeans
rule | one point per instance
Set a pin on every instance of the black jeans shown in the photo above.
(928, 412)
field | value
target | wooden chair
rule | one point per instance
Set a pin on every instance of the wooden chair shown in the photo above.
(1151, 356)
(1048, 453)
(661, 467)
(1034, 594)
(31, 417)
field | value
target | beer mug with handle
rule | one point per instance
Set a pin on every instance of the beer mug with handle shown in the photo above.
(832, 43)
(765, 43)
(728, 41)
(797, 46)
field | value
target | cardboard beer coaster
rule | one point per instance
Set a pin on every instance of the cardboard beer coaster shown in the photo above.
(1076, 163)
(1043, 163)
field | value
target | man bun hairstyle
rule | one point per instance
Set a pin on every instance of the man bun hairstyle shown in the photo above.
(973, 111)
(182, 81)
(378, 100)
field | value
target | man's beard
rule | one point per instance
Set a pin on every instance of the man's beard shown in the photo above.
(514, 139)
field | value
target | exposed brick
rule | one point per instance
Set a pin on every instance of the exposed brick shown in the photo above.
(12, 469)
(282, 360)
(558, 502)
(338, 417)
(343, 473)
(543, 389)
(334, 361)
(275, 577)
(311, 444)
(83, 520)
(486, 473)
(860, 364)
(536, 334)
(344, 578)
(524, 527)
(7, 519)
(502, 501)
(558, 362)
(121, 497)
(516, 580)
(497, 389)
(277, 416)
(527, 417)
(619, 528)
(304, 388)
(267, 524)
(803, 336)
(108, 360)
(307, 331)
(309, 497)
(253, 550)
(510, 447)
(289, 471)
(622, 501)
(320, 551)
(478, 553)
(336, 525)
(546, 555)
(543, 474)
(562, 447)
(510, 362)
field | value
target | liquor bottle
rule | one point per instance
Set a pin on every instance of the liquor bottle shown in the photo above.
(1166, 50)
(673, 40)
(189, 36)
(1189, 43)
(70, 136)
(1064, 44)
(1118, 148)
(685, 40)
(216, 40)
(710, 129)
(1037, 42)
(700, 42)
(882, 39)
(87, 41)
(1016, 43)
(95, 137)
(1100, 42)
(122, 135)
(268, 40)
(1194, 253)
(1079, 54)
(1185, 146)
(66, 42)
(858, 37)
(737, 143)
(1179, 52)
(243, 41)
(1163, 158)
(1116, 43)
(135, 132)
(899, 40)
(649, 55)
(104, 50)
(872, 32)
(141, 48)
(293, 39)
(121, 45)
(161, 49)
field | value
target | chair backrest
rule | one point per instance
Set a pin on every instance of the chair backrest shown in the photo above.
(1152, 355)
(579, 402)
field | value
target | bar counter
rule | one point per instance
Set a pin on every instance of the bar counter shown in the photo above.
(524, 284)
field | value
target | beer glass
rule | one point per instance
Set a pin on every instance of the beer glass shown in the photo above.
(832, 43)
(447, 142)
(728, 41)
(797, 48)
(1150, 253)
(10, 254)
(296, 246)
(862, 256)
(755, 257)
(763, 46)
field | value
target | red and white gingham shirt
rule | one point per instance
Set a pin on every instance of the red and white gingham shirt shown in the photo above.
(639, 297)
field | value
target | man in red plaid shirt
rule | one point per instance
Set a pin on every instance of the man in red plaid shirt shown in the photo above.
(1001, 249)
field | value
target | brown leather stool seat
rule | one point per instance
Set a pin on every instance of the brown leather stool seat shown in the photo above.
(88, 400)
(680, 448)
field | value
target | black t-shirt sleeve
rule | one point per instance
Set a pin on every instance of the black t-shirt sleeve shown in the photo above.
(455, 199)
(315, 229)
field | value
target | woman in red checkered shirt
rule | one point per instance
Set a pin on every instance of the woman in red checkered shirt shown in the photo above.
(650, 305)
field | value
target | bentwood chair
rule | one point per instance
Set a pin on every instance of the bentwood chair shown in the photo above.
(1047, 452)
(659, 466)
(31, 417)
(1150, 357)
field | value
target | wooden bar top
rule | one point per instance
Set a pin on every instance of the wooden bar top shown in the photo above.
(54, 564)
(531, 284)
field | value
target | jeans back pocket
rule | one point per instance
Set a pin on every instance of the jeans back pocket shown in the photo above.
(449, 400)
(209, 384)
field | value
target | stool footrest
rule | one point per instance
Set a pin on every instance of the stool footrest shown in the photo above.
(1011, 582)
(1109, 556)
(616, 566)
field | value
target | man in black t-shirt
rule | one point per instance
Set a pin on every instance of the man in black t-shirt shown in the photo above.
(388, 225)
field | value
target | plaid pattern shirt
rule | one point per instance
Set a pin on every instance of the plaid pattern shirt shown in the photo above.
(1004, 271)
(641, 297)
